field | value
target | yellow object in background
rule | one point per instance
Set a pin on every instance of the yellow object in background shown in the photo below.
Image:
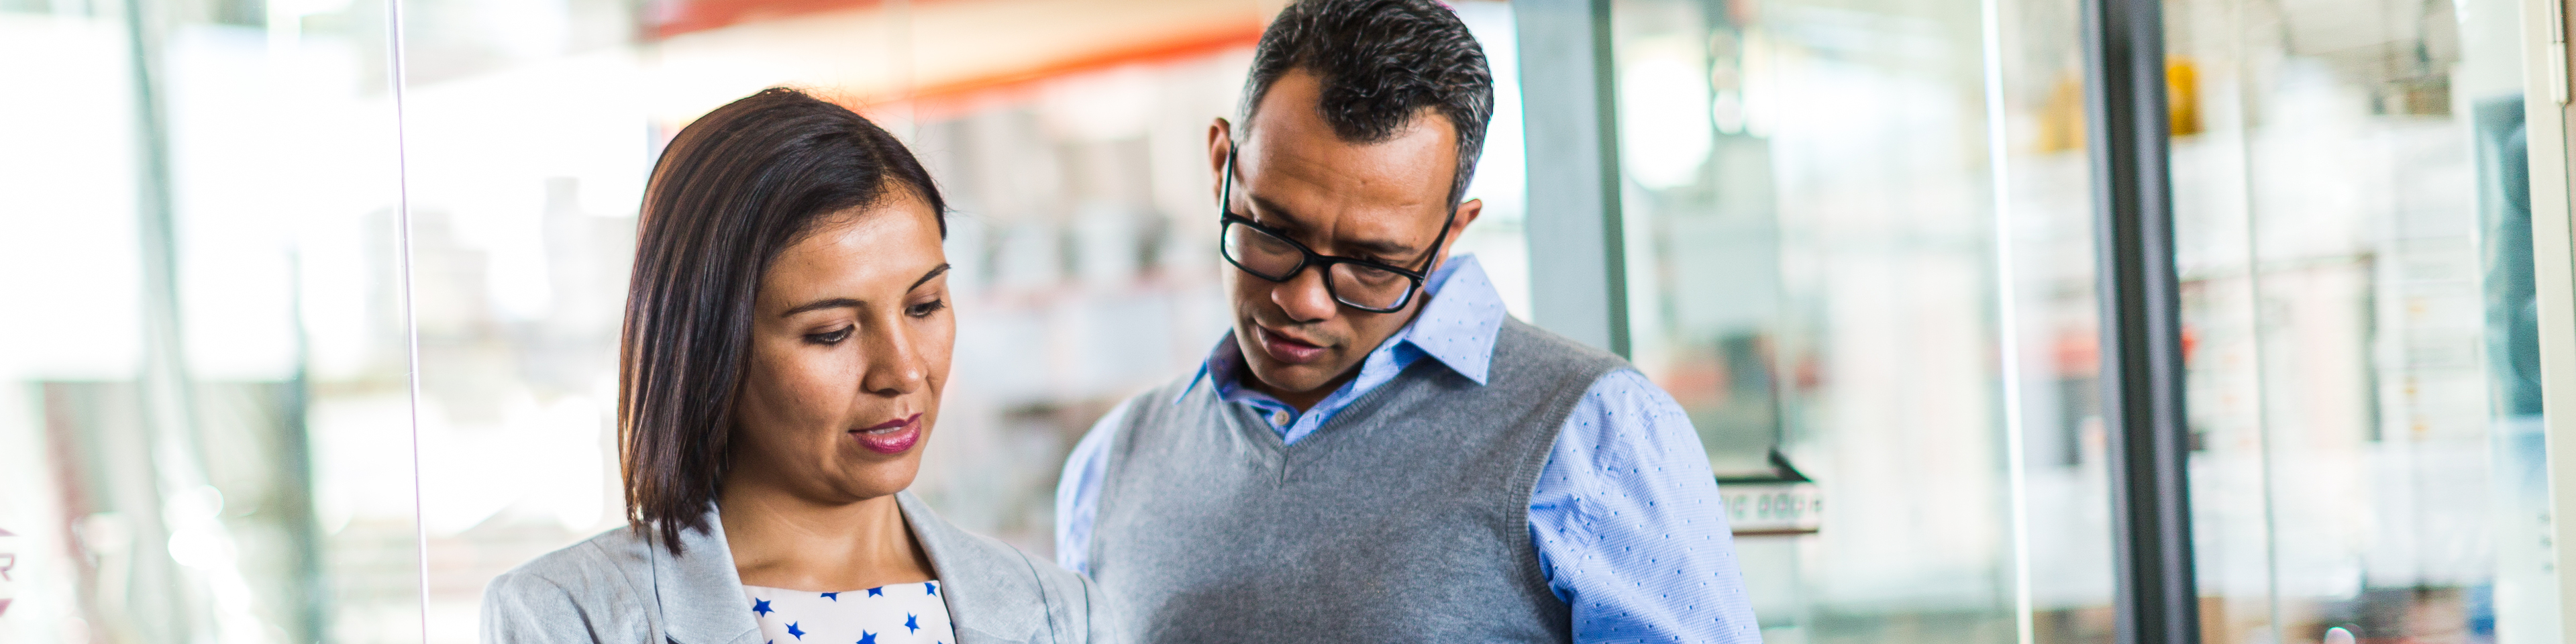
(2061, 122)
(2182, 95)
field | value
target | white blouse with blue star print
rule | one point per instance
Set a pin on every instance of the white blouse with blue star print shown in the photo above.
(893, 614)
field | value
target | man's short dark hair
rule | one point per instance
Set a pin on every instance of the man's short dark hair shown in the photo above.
(733, 190)
(1381, 62)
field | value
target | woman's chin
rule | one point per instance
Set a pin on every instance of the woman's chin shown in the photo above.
(874, 480)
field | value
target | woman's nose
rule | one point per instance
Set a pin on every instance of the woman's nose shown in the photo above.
(894, 366)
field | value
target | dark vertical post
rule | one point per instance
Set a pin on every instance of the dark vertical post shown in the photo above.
(1569, 107)
(2142, 377)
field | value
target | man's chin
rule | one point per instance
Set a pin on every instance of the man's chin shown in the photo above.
(1290, 379)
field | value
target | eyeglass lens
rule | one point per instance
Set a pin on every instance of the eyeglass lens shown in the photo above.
(1275, 259)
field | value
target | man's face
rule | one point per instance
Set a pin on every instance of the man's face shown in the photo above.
(1381, 201)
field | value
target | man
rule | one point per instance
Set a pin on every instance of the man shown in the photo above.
(1377, 452)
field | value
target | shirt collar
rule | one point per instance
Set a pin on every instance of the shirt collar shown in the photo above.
(1457, 327)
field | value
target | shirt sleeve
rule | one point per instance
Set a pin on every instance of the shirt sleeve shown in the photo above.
(1629, 527)
(1077, 494)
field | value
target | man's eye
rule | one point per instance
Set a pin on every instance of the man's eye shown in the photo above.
(829, 337)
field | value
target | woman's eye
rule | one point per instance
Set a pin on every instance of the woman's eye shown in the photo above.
(924, 309)
(829, 337)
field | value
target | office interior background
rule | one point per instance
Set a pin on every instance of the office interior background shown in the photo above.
(289, 306)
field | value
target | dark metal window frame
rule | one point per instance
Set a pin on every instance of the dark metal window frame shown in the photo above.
(2157, 599)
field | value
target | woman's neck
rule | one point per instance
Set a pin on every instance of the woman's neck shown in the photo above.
(782, 540)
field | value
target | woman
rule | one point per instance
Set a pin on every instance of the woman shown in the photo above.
(787, 334)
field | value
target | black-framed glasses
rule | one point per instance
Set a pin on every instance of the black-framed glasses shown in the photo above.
(1268, 254)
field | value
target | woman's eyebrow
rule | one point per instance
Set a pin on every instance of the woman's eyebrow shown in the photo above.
(817, 305)
(843, 302)
(925, 277)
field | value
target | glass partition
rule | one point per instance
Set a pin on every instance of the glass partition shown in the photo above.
(204, 426)
(209, 428)
(1859, 249)
(2352, 204)
(1070, 145)
(1858, 253)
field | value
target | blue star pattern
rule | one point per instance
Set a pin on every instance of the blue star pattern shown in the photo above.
(896, 614)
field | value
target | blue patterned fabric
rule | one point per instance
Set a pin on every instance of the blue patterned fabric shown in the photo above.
(895, 614)
(1626, 517)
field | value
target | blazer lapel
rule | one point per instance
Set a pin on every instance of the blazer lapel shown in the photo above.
(991, 591)
(699, 594)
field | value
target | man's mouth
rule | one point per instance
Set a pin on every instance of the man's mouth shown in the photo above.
(1286, 349)
(890, 437)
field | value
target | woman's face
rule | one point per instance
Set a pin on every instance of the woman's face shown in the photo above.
(849, 350)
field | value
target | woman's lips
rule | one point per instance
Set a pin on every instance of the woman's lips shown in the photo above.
(1286, 350)
(890, 437)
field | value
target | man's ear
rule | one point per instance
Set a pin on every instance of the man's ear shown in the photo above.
(1467, 214)
(1220, 142)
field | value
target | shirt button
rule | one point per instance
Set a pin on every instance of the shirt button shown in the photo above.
(1278, 418)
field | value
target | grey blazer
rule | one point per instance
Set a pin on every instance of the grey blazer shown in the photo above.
(622, 587)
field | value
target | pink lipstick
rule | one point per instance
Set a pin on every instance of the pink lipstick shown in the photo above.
(890, 437)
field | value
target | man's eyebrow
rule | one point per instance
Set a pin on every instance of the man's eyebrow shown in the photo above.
(1384, 249)
(1280, 219)
(1276, 216)
(849, 303)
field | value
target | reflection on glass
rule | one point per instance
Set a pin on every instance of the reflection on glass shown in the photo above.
(2352, 201)
(207, 432)
(203, 432)
(1084, 236)
(1817, 222)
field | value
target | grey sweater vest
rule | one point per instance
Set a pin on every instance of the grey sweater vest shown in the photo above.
(1403, 519)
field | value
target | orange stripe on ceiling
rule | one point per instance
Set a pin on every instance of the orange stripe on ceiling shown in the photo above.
(675, 17)
(956, 96)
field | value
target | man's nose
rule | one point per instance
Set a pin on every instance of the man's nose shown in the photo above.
(1304, 297)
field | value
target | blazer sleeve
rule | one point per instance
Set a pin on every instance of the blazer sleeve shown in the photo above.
(1100, 614)
(524, 608)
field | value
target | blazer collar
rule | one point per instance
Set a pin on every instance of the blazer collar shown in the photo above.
(699, 594)
(991, 590)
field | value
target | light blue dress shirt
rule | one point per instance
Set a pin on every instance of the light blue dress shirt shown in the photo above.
(1625, 517)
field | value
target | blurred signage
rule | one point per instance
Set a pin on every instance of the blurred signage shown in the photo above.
(1772, 508)
(1780, 503)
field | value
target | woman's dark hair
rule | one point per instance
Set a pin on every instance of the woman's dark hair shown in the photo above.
(733, 189)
